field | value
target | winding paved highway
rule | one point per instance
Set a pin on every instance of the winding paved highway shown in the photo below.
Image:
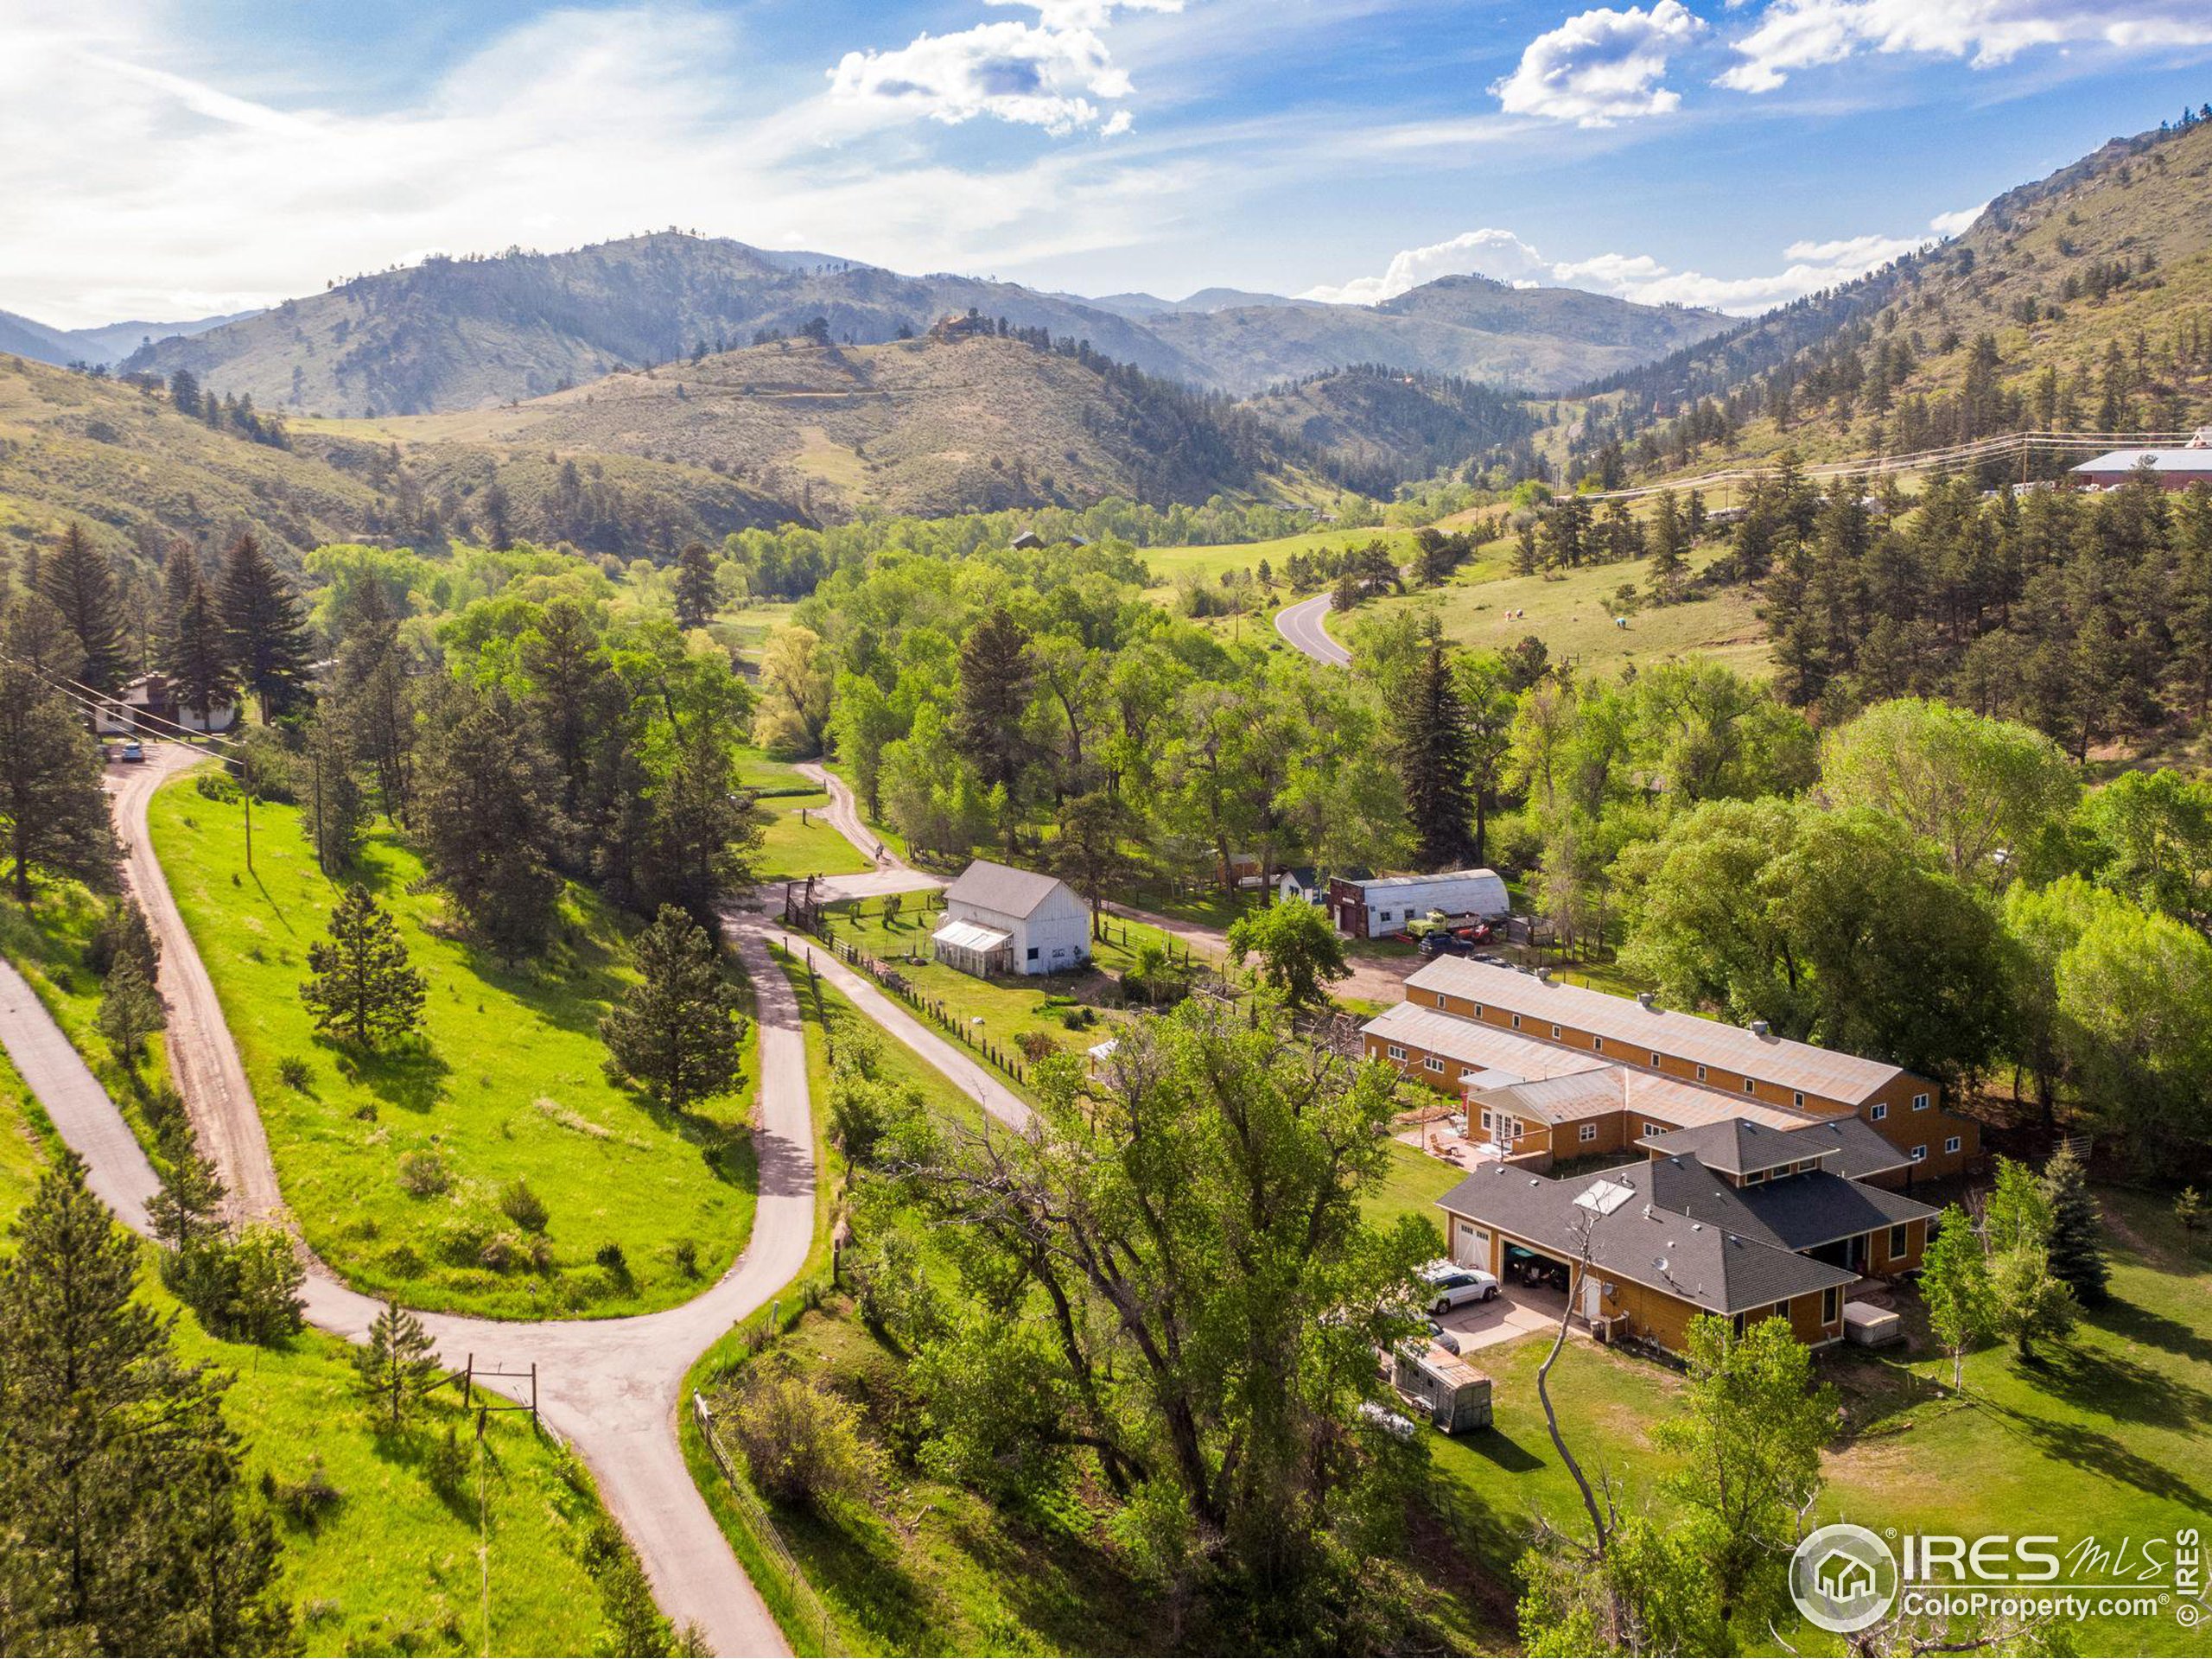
(1304, 627)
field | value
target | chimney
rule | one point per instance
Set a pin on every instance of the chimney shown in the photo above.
(1643, 999)
(1758, 1027)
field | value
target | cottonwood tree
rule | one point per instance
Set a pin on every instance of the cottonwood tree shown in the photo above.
(53, 809)
(128, 1525)
(394, 1368)
(1753, 1420)
(1236, 1385)
(679, 1032)
(1299, 950)
(80, 582)
(266, 628)
(361, 988)
(1979, 790)
(797, 679)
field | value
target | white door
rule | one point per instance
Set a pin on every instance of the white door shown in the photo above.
(1592, 1299)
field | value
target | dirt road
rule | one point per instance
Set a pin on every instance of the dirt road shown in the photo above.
(611, 1386)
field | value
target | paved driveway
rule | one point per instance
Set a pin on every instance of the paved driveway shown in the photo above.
(1514, 1312)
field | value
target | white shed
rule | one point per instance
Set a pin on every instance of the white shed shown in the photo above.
(1001, 920)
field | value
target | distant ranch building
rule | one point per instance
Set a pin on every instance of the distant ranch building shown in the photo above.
(2171, 470)
(1372, 909)
(1001, 920)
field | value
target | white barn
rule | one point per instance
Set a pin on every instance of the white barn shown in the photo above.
(1001, 920)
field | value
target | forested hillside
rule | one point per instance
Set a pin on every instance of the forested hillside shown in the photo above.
(2083, 302)
(1379, 427)
(141, 466)
(975, 416)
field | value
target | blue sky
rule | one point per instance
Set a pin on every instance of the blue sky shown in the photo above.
(169, 158)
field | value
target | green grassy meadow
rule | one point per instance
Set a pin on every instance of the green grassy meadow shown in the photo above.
(389, 1564)
(1169, 563)
(508, 1087)
(1574, 616)
(799, 842)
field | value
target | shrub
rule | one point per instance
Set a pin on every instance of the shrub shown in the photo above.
(447, 1466)
(609, 1256)
(424, 1174)
(305, 1502)
(523, 1207)
(802, 1444)
(686, 1252)
(1036, 1046)
(295, 1073)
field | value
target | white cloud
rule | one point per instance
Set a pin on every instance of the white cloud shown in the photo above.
(1809, 267)
(1043, 74)
(1794, 34)
(138, 183)
(1600, 67)
(1957, 223)
(1499, 254)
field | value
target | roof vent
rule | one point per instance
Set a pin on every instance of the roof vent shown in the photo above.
(1643, 999)
(1758, 1027)
(1647, 1213)
(1697, 1226)
(1543, 975)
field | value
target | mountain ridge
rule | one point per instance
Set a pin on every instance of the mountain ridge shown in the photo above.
(455, 333)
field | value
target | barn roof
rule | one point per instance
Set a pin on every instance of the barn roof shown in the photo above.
(1001, 888)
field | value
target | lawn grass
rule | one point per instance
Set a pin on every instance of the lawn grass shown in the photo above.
(800, 842)
(508, 1087)
(759, 770)
(1009, 1006)
(391, 1566)
(2106, 1438)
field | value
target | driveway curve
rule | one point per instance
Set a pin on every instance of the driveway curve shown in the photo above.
(612, 1388)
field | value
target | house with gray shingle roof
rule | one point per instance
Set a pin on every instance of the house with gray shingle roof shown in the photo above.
(999, 919)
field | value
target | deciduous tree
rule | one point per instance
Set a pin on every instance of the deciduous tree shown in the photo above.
(1299, 950)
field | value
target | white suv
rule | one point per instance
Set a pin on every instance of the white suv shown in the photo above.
(1452, 1286)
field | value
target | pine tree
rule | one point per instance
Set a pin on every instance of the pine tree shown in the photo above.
(487, 813)
(195, 651)
(696, 597)
(1663, 576)
(130, 1010)
(2077, 1249)
(395, 1367)
(39, 638)
(678, 1032)
(998, 670)
(266, 627)
(120, 1498)
(363, 989)
(53, 809)
(335, 811)
(80, 583)
(702, 835)
(1433, 761)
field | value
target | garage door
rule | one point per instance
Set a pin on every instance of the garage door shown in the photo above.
(1470, 1245)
